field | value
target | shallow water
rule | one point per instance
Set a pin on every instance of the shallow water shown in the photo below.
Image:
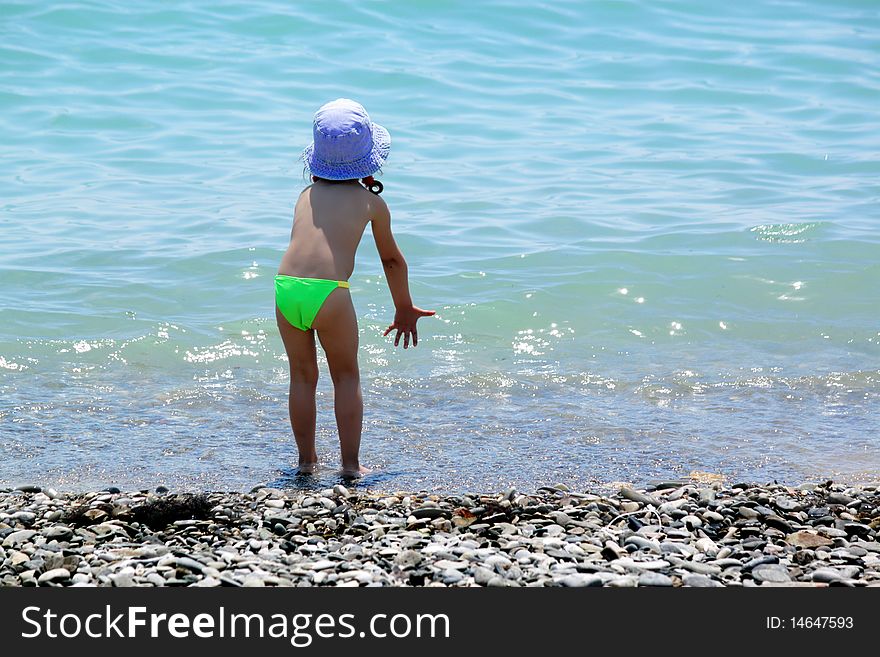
(649, 230)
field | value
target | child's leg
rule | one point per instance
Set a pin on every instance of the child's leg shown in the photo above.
(336, 324)
(300, 348)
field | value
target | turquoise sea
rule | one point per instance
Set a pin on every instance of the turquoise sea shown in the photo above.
(649, 229)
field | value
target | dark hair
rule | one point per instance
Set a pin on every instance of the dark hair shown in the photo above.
(369, 182)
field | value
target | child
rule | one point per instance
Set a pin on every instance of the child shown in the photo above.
(311, 288)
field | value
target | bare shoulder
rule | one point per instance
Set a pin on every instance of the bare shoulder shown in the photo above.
(304, 195)
(377, 209)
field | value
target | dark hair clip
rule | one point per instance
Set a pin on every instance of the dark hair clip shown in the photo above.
(376, 187)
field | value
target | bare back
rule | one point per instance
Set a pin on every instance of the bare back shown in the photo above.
(328, 223)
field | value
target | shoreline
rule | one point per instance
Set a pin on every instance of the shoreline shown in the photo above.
(677, 533)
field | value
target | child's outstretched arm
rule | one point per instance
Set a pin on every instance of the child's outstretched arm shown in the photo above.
(406, 314)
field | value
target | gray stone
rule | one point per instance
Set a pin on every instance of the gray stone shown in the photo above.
(692, 522)
(758, 561)
(581, 579)
(699, 581)
(642, 543)
(869, 546)
(654, 579)
(669, 547)
(155, 579)
(483, 575)
(624, 582)
(124, 578)
(785, 503)
(408, 559)
(636, 496)
(649, 564)
(669, 507)
(206, 582)
(833, 532)
(561, 518)
(771, 573)
(778, 523)
(18, 537)
(54, 576)
(25, 518)
(826, 575)
(849, 572)
(58, 533)
(191, 564)
(695, 566)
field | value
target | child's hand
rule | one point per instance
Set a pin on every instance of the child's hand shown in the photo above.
(405, 322)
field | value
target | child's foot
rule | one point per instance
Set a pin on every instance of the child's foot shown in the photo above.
(354, 473)
(307, 468)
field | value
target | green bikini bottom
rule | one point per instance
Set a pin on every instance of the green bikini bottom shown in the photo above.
(300, 299)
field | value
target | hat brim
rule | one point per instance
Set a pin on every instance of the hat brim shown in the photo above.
(362, 168)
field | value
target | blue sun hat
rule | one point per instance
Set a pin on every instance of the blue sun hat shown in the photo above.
(346, 143)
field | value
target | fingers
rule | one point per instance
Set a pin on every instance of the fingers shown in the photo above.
(415, 338)
(388, 330)
(427, 313)
(406, 340)
(397, 337)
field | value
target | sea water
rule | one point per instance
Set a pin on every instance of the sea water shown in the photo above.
(649, 229)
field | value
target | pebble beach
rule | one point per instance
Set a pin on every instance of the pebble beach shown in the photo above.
(672, 534)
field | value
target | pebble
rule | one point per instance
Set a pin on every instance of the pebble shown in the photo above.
(58, 533)
(807, 539)
(636, 496)
(771, 573)
(748, 535)
(826, 575)
(695, 566)
(581, 579)
(778, 523)
(16, 538)
(54, 575)
(482, 575)
(759, 561)
(654, 579)
(124, 578)
(857, 528)
(408, 559)
(643, 543)
(696, 580)
(624, 581)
